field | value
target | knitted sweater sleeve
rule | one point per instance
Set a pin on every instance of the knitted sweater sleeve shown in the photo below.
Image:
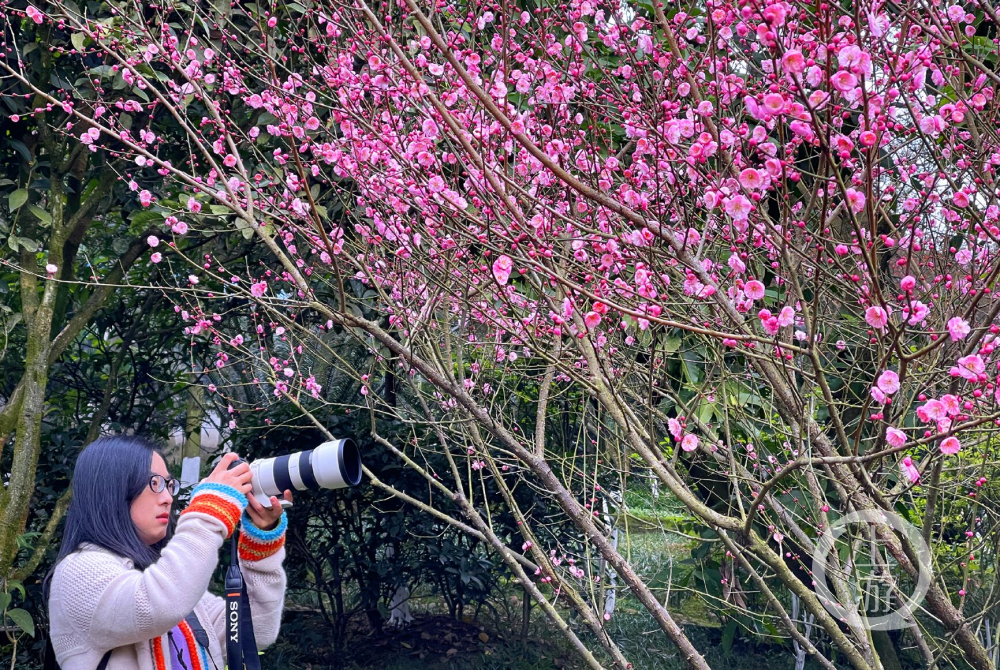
(108, 605)
(261, 555)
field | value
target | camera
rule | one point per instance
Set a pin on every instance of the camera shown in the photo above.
(332, 465)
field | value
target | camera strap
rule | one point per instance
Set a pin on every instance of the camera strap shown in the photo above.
(241, 646)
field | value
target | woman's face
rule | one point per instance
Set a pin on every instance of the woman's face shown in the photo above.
(151, 511)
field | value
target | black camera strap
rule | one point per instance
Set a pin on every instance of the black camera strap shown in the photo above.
(241, 646)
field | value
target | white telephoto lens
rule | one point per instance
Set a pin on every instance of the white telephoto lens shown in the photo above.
(332, 465)
(336, 464)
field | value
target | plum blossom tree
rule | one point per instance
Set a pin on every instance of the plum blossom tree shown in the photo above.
(763, 232)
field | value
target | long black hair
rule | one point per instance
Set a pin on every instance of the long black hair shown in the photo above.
(110, 473)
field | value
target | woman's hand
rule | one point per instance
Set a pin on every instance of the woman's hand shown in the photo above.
(262, 517)
(239, 477)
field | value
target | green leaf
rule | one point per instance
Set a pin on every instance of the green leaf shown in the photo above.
(17, 198)
(13, 241)
(78, 40)
(16, 584)
(219, 209)
(728, 633)
(42, 215)
(692, 366)
(142, 219)
(244, 229)
(22, 149)
(705, 412)
(4, 601)
(22, 619)
(101, 71)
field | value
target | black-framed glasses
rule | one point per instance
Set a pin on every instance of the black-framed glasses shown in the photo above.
(158, 482)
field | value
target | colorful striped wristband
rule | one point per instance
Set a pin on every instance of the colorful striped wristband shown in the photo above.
(220, 501)
(256, 543)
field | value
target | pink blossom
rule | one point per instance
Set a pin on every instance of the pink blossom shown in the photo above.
(258, 289)
(952, 405)
(153, 241)
(895, 437)
(774, 14)
(51, 268)
(958, 328)
(675, 428)
(852, 58)
(917, 314)
(932, 410)
(753, 289)
(501, 269)
(738, 207)
(907, 283)
(193, 205)
(876, 317)
(932, 125)
(877, 395)
(969, 367)
(771, 325)
(960, 199)
(751, 179)
(909, 470)
(592, 319)
(950, 446)
(843, 144)
(774, 103)
(689, 442)
(33, 14)
(855, 200)
(736, 264)
(888, 381)
(786, 316)
(793, 61)
(145, 198)
(436, 184)
(156, 257)
(844, 81)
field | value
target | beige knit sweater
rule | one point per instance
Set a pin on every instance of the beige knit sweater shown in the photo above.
(99, 601)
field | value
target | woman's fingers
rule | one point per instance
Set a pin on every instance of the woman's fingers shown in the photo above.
(255, 504)
(225, 462)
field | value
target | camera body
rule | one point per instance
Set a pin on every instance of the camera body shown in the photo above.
(332, 465)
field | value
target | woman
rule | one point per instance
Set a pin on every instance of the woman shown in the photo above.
(128, 593)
